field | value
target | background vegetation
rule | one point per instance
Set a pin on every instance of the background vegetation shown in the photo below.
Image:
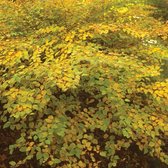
(83, 83)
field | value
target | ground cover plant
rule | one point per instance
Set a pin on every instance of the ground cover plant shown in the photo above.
(83, 84)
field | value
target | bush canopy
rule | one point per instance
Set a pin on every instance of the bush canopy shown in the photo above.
(83, 83)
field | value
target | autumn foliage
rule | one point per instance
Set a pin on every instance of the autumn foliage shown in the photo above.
(82, 83)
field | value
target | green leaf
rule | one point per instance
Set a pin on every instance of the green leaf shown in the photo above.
(48, 142)
(127, 100)
(151, 144)
(16, 78)
(145, 151)
(7, 124)
(39, 155)
(103, 153)
(105, 125)
(35, 137)
(23, 149)
(56, 161)
(61, 133)
(125, 133)
(11, 148)
(31, 124)
(45, 156)
(77, 152)
(12, 163)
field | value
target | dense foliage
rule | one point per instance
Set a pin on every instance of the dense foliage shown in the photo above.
(82, 83)
(161, 8)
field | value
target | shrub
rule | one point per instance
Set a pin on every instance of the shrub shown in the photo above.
(81, 88)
